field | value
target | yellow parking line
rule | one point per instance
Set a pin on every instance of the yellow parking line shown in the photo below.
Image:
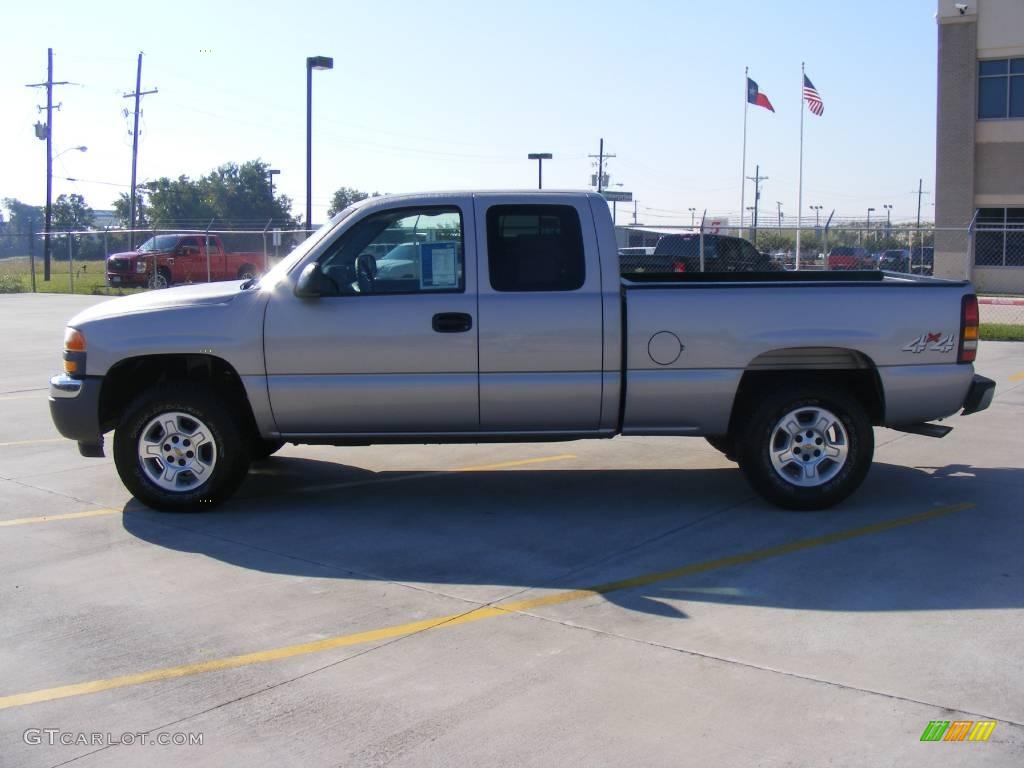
(485, 612)
(33, 442)
(65, 516)
(1017, 376)
(36, 396)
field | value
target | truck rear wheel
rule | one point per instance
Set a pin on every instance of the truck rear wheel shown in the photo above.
(247, 271)
(808, 448)
(181, 448)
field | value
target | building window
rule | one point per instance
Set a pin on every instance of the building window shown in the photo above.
(999, 237)
(1000, 88)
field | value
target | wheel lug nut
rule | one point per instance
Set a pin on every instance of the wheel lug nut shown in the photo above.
(818, 441)
(186, 443)
(798, 439)
(817, 453)
(181, 462)
(174, 439)
(167, 447)
(189, 454)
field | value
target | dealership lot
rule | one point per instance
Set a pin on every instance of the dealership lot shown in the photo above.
(591, 603)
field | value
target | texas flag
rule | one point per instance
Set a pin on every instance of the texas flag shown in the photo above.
(754, 96)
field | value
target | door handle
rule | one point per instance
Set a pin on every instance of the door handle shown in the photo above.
(452, 322)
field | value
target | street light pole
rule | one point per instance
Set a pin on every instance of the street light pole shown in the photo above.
(817, 218)
(778, 203)
(693, 217)
(888, 218)
(312, 62)
(540, 157)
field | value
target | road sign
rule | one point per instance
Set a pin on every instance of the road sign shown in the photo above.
(618, 197)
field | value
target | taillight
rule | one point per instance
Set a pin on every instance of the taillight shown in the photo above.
(968, 329)
(679, 266)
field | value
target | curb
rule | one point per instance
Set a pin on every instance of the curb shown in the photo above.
(1000, 301)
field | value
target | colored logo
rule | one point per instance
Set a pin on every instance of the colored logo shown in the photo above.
(958, 730)
(934, 342)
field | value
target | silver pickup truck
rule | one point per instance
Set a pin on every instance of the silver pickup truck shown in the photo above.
(502, 316)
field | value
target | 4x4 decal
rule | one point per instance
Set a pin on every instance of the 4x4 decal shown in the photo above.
(934, 342)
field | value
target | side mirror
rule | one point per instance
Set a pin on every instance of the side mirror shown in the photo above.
(313, 283)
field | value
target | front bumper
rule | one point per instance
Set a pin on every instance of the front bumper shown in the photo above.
(979, 396)
(128, 279)
(75, 410)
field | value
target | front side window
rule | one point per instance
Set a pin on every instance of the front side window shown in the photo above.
(411, 250)
(535, 248)
(1001, 88)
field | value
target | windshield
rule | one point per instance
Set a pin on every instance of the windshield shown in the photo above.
(160, 243)
(286, 264)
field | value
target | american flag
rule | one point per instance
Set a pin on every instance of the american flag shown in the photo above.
(812, 97)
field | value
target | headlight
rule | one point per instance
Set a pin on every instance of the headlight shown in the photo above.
(74, 352)
(140, 266)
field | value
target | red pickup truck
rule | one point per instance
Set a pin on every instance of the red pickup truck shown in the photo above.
(164, 260)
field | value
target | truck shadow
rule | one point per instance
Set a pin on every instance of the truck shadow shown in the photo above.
(501, 533)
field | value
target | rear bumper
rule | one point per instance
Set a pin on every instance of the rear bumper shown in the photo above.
(75, 409)
(979, 395)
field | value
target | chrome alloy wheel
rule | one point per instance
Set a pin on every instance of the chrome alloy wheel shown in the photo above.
(809, 446)
(177, 452)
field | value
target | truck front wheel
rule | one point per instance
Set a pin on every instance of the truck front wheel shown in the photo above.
(806, 449)
(181, 448)
(162, 278)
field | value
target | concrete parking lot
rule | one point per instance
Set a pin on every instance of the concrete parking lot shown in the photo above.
(625, 602)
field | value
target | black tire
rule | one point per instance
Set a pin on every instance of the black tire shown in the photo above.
(723, 444)
(754, 448)
(247, 271)
(261, 449)
(228, 440)
(162, 279)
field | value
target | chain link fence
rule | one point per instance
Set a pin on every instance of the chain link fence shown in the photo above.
(991, 256)
(114, 261)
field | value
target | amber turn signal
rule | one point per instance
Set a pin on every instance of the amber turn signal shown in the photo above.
(74, 340)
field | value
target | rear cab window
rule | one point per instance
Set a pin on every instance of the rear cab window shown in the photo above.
(534, 248)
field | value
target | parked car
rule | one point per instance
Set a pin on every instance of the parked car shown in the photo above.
(526, 332)
(844, 257)
(682, 253)
(895, 260)
(166, 260)
(922, 260)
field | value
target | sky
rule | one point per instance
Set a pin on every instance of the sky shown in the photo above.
(453, 95)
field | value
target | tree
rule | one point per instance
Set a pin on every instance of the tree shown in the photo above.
(21, 221)
(231, 193)
(123, 212)
(344, 197)
(71, 212)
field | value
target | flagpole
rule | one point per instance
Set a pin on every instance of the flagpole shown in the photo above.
(743, 175)
(800, 190)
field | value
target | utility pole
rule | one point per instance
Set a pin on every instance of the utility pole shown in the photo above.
(757, 178)
(634, 212)
(779, 204)
(137, 95)
(602, 158)
(919, 193)
(46, 132)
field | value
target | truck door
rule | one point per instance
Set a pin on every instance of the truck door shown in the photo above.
(540, 316)
(394, 352)
(185, 268)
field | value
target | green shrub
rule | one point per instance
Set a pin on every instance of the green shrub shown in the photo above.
(11, 284)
